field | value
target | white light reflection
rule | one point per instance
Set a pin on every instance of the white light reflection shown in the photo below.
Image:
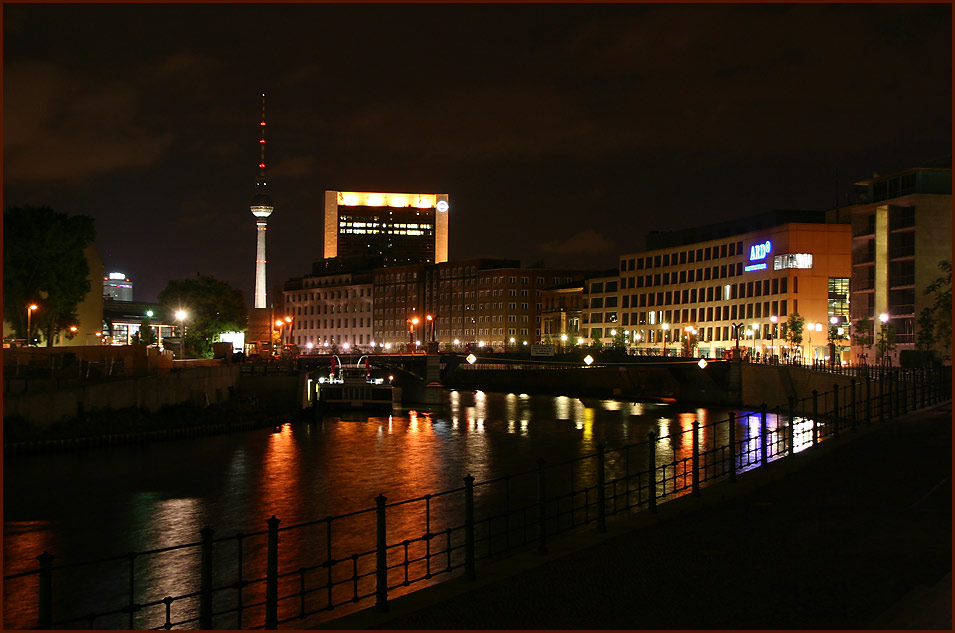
(562, 407)
(524, 428)
(611, 405)
(636, 408)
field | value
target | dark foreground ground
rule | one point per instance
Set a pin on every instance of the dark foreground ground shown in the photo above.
(857, 535)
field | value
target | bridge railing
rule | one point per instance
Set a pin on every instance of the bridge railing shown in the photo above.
(309, 572)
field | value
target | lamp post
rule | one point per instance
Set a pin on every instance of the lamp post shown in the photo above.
(666, 328)
(690, 330)
(883, 342)
(412, 322)
(30, 309)
(636, 341)
(736, 334)
(432, 321)
(181, 317)
(772, 337)
(563, 342)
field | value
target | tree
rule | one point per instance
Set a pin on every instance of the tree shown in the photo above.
(619, 340)
(862, 334)
(837, 334)
(794, 328)
(886, 340)
(211, 306)
(925, 338)
(145, 335)
(44, 264)
(940, 312)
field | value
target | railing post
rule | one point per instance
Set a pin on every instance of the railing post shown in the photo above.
(542, 505)
(924, 386)
(272, 574)
(881, 396)
(895, 393)
(852, 405)
(381, 556)
(868, 401)
(904, 405)
(835, 410)
(732, 434)
(470, 572)
(792, 426)
(696, 458)
(205, 579)
(763, 444)
(815, 417)
(601, 490)
(45, 610)
(652, 466)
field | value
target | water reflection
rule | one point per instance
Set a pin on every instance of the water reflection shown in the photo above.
(305, 471)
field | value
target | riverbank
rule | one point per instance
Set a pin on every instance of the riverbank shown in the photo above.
(103, 428)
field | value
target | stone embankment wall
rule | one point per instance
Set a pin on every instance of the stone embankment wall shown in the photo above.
(201, 386)
(774, 384)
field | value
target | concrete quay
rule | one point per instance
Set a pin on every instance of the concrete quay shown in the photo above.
(853, 534)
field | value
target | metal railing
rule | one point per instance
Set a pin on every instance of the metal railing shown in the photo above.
(302, 573)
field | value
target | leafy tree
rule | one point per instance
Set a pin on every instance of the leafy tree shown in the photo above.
(145, 335)
(44, 263)
(925, 337)
(596, 343)
(941, 308)
(619, 340)
(886, 340)
(211, 306)
(837, 334)
(862, 334)
(794, 329)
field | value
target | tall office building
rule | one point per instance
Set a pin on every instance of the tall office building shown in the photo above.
(901, 230)
(261, 208)
(118, 287)
(401, 228)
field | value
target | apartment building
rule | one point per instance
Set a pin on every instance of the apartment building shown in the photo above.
(693, 291)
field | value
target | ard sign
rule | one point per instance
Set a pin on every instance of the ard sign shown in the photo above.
(758, 252)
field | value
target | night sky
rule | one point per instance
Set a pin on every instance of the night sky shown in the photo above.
(562, 133)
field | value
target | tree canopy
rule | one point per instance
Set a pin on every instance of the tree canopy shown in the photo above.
(44, 264)
(211, 306)
(938, 316)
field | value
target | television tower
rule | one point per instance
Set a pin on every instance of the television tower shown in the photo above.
(261, 208)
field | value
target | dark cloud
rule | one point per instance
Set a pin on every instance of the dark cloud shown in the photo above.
(562, 132)
(587, 242)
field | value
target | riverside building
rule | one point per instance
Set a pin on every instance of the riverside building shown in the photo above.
(694, 290)
(401, 228)
(901, 230)
(488, 302)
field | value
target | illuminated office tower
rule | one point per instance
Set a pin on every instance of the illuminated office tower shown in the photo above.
(261, 208)
(401, 228)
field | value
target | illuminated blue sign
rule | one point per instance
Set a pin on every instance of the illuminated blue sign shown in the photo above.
(752, 267)
(760, 251)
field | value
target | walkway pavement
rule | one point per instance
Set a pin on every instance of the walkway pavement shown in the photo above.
(854, 534)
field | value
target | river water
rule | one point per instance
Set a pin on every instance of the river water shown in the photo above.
(96, 503)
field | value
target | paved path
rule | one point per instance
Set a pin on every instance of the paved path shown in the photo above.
(855, 535)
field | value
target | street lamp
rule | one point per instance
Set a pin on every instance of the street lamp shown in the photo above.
(30, 309)
(432, 321)
(690, 330)
(737, 327)
(772, 337)
(181, 317)
(412, 322)
(883, 343)
(666, 327)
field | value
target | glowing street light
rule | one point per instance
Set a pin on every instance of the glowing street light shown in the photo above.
(772, 335)
(181, 317)
(30, 309)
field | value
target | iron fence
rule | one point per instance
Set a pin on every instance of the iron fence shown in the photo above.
(302, 573)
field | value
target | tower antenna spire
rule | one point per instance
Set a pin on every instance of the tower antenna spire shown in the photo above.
(261, 208)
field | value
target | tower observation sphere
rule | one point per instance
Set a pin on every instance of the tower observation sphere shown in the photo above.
(261, 208)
